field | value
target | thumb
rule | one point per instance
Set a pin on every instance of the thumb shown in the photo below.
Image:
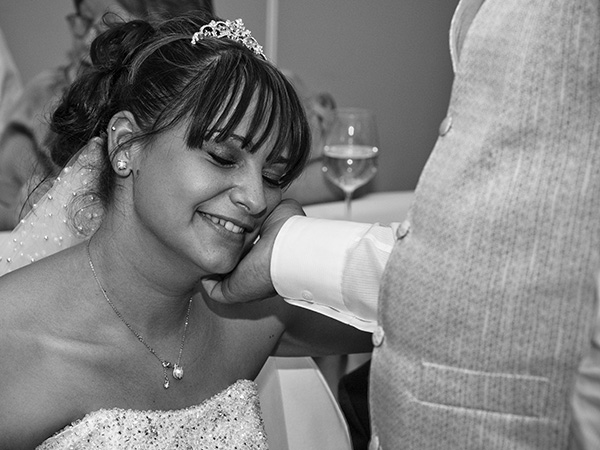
(229, 290)
(214, 289)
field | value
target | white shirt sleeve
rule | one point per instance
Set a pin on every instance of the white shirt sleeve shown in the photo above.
(332, 267)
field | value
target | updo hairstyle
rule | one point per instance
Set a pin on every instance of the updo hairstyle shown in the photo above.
(154, 71)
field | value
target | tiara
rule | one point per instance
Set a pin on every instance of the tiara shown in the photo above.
(230, 29)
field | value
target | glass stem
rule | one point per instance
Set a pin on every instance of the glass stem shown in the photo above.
(348, 201)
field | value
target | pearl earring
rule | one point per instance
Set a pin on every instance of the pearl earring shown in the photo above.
(121, 164)
(113, 128)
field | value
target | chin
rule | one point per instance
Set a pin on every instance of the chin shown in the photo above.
(222, 258)
(221, 267)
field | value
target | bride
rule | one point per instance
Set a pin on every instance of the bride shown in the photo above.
(177, 145)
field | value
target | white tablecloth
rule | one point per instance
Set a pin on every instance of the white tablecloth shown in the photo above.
(383, 207)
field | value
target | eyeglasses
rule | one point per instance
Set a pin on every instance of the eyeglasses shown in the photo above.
(79, 24)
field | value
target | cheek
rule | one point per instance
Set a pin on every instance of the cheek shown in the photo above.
(273, 198)
(158, 187)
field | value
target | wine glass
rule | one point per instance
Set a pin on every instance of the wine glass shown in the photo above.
(350, 151)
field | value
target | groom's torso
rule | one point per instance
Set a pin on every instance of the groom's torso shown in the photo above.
(487, 302)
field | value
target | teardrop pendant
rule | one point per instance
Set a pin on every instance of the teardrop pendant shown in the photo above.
(177, 372)
(166, 365)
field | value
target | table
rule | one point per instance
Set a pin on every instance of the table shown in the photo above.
(383, 207)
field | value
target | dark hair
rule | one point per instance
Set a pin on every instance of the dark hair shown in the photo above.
(156, 73)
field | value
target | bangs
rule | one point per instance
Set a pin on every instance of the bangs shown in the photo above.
(238, 85)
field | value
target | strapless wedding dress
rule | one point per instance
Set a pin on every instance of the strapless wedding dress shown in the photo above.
(230, 420)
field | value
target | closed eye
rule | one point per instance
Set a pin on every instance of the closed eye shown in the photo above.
(273, 175)
(272, 180)
(224, 162)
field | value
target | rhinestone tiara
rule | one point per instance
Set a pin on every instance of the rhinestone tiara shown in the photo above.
(230, 29)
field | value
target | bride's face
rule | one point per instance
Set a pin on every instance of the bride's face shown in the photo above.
(207, 204)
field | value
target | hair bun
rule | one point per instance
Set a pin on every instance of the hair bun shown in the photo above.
(88, 105)
(114, 48)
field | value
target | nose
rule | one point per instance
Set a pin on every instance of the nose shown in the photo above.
(249, 194)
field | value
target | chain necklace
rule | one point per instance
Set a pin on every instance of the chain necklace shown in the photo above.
(177, 367)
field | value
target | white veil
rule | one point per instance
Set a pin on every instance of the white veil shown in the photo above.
(63, 216)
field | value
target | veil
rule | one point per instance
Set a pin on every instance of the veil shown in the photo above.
(65, 215)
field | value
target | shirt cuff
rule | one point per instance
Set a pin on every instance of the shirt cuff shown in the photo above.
(308, 262)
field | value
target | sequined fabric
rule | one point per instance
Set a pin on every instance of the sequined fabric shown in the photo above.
(231, 420)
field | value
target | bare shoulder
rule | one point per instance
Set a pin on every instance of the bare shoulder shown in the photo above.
(31, 319)
(34, 303)
(35, 287)
(27, 402)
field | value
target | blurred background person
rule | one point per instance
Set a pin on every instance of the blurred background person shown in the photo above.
(10, 81)
(312, 187)
(10, 89)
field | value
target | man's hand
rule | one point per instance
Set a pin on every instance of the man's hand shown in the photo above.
(251, 279)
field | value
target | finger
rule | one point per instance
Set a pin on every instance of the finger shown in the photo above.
(221, 291)
(214, 289)
(218, 289)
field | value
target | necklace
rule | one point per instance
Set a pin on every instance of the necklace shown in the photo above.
(177, 367)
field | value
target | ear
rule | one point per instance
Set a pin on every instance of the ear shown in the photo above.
(122, 127)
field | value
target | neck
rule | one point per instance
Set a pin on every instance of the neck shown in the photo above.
(135, 287)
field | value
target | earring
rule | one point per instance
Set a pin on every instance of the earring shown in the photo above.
(121, 164)
(113, 128)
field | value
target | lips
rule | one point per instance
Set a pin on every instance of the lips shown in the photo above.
(229, 226)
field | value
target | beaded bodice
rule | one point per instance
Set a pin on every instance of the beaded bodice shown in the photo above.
(229, 420)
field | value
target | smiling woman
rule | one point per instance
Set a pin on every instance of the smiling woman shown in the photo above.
(175, 145)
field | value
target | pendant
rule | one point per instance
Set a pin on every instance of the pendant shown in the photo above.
(166, 365)
(177, 372)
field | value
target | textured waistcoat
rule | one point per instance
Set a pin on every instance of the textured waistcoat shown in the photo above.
(487, 303)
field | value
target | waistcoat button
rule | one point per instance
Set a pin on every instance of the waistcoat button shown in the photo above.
(374, 443)
(445, 125)
(378, 336)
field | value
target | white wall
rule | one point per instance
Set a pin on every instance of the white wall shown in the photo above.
(387, 55)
